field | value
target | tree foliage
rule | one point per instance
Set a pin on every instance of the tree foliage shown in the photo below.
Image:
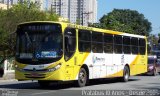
(153, 39)
(22, 12)
(126, 20)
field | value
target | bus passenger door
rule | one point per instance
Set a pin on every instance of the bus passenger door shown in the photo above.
(69, 52)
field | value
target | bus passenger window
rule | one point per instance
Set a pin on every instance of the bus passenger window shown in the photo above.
(142, 46)
(97, 42)
(70, 42)
(108, 43)
(126, 45)
(134, 45)
(118, 44)
(84, 40)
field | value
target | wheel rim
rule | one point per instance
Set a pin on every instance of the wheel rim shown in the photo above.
(82, 77)
(126, 75)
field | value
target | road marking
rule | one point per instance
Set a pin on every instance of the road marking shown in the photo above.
(42, 93)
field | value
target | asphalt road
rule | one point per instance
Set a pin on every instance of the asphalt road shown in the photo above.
(137, 85)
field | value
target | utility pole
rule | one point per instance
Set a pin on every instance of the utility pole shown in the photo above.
(85, 13)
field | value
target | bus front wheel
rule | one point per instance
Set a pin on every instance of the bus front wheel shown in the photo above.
(82, 78)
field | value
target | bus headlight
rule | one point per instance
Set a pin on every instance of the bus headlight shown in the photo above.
(54, 68)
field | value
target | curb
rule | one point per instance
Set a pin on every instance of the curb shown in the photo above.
(10, 80)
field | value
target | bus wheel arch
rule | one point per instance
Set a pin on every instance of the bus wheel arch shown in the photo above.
(126, 73)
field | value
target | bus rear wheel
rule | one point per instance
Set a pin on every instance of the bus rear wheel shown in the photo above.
(82, 78)
(126, 74)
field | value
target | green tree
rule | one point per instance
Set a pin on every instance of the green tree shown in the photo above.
(96, 25)
(126, 20)
(9, 19)
(153, 39)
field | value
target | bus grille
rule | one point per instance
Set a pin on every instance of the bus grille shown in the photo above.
(34, 75)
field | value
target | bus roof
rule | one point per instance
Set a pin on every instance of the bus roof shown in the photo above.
(88, 28)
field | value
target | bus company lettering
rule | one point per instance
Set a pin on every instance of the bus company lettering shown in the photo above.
(98, 59)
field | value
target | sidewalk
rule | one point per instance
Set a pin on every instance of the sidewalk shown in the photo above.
(9, 76)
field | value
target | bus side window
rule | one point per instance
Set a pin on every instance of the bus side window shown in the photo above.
(127, 45)
(108, 43)
(97, 42)
(84, 40)
(118, 44)
(142, 46)
(134, 45)
(70, 42)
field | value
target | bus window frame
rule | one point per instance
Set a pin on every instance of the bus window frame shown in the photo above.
(97, 42)
(71, 53)
(127, 45)
(106, 44)
(115, 44)
(80, 41)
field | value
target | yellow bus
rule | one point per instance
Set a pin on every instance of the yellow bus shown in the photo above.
(55, 51)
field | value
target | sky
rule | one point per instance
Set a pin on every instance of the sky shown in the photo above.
(150, 9)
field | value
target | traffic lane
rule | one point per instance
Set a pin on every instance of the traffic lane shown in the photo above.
(134, 82)
(28, 88)
(62, 85)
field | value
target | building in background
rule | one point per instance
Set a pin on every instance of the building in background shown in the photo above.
(10, 2)
(45, 5)
(3, 6)
(77, 11)
(7, 3)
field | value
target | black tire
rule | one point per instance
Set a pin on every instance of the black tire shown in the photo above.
(126, 74)
(82, 78)
(44, 84)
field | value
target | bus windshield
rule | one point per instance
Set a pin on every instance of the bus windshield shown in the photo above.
(39, 43)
